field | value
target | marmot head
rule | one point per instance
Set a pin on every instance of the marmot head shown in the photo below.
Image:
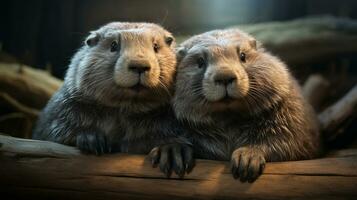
(226, 71)
(127, 65)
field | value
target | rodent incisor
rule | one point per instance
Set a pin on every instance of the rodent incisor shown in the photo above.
(240, 103)
(116, 96)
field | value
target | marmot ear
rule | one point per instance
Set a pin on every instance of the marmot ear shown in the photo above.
(180, 53)
(169, 40)
(92, 39)
(253, 43)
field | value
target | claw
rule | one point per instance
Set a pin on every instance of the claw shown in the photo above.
(188, 159)
(173, 157)
(92, 142)
(247, 164)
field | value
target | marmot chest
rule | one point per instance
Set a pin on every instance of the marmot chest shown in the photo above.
(216, 142)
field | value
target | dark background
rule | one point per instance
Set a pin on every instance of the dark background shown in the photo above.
(45, 33)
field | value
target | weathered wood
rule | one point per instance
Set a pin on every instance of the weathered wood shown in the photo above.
(53, 175)
(307, 40)
(24, 91)
(337, 115)
(26, 147)
(17, 123)
(29, 86)
(315, 89)
(13, 103)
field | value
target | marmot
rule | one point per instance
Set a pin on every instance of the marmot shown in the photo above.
(116, 96)
(240, 103)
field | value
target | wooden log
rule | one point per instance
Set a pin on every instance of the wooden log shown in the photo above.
(16, 123)
(23, 90)
(307, 40)
(315, 89)
(339, 115)
(31, 87)
(26, 147)
(44, 170)
(14, 104)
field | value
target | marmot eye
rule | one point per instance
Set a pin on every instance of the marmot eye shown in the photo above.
(169, 40)
(114, 46)
(201, 62)
(242, 57)
(156, 47)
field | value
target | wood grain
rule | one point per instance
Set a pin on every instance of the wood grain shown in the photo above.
(49, 172)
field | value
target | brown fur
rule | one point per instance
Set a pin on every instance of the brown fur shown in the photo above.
(258, 116)
(105, 76)
(107, 104)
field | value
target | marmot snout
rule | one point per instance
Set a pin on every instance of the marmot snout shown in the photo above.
(116, 96)
(120, 62)
(225, 78)
(240, 103)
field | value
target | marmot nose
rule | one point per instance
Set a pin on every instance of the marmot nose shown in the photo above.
(139, 66)
(224, 79)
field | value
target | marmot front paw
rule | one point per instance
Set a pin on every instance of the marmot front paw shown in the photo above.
(173, 157)
(92, 142)
(247, 164)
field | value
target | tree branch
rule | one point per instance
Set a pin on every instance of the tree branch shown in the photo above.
(315, 90)
(335, 116)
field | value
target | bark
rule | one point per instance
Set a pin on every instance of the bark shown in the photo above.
(44, 170)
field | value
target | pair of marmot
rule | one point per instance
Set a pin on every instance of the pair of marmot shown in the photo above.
(222, 97)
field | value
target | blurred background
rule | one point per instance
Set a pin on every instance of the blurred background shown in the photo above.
(46, 33)
(311, 36)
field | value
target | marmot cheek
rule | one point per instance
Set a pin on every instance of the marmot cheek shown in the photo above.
(151, 78)
(241, 87)
(245, 88)
(124, 78)
(213, 92)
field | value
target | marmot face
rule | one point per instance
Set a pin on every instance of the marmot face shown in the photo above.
(128, 65)
(226, 71)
